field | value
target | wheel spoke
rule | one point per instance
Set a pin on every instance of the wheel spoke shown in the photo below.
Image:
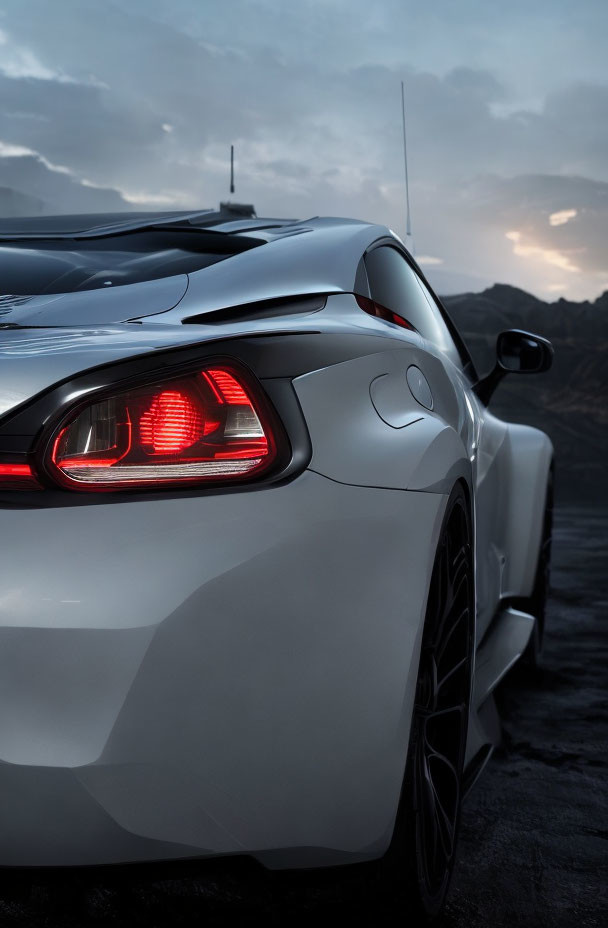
(455, 587)
(442, 699)
(449, 630)
(429, 818)
(440, 821)
(447, 676)
(445, 826)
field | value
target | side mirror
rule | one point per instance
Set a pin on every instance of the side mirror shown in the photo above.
(517, 352)
(523, 353)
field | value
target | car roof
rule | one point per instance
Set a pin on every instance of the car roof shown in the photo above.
(318, 255)
(296, 257)
(229, 218)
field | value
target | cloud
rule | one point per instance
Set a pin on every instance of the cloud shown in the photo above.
(561, 217)
(144, 100)
(28, 186)
(520, 210)
(73, 124)
(549, 255)
(18, 151)
(18, 61)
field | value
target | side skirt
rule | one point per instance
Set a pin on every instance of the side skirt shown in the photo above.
(501, 647)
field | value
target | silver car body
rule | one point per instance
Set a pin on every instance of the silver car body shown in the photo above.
(233, 672)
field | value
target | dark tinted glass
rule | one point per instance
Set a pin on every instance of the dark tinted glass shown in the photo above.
(37, 266)
(442, 335)
(523, 352)
(395, 285)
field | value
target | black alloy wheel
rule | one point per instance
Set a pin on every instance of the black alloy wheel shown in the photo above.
(421, 856)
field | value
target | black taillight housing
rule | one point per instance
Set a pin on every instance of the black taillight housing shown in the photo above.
(207, 425)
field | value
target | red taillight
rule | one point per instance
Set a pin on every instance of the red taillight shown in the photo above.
(171, 424)
(226, 387)
(201, 426)
(381, 312)
(18, 477)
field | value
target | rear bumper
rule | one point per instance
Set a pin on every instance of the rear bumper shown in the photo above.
(226, 674)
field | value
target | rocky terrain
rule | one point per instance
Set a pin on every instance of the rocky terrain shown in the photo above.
(534, 840)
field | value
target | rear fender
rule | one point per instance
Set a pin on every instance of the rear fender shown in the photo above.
(367, 429)
(530, 456)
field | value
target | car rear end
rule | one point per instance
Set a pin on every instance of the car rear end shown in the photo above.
(208, 636)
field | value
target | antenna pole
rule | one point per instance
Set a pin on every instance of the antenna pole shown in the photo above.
(232, 169)
(408, 220)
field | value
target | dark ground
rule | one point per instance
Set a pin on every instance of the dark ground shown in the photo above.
(533, 843)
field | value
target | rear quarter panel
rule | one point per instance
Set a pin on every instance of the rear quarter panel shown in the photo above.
(513, 463)
(392, 442)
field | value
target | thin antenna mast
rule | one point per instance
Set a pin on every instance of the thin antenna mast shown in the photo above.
(232, 169)
(409, 238)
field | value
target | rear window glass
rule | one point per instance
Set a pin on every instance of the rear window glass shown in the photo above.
(394, 284)
(37, 266)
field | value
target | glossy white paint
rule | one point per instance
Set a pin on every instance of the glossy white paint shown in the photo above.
(265, 649)
(235, 672)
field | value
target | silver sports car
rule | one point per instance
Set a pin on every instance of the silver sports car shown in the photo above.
(265, 553)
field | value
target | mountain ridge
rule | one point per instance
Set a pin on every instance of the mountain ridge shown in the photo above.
(501, 292)
(569, 402)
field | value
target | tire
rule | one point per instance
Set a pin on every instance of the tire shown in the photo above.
(421, 856)
(536, 604)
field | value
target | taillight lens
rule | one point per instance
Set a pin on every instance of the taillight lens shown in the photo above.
(18, 477)
(381, 312)
(202, 426)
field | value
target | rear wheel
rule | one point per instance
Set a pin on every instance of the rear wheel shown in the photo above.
(421, 856)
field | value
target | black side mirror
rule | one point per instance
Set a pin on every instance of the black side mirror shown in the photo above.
(523, 353)
(517, 352)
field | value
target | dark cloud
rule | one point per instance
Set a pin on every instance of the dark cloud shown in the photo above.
(29, 187)
(73, 124)
(145, 98)
(283, 168)
(564, 217)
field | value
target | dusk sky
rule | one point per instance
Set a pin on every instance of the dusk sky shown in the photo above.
(507, 109)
